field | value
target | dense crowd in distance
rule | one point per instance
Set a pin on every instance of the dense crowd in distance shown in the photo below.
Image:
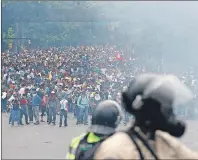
(68, 79)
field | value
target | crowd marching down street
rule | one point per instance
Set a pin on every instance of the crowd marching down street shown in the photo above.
(61, 80)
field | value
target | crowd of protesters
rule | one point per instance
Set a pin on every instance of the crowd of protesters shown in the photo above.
(61, 80)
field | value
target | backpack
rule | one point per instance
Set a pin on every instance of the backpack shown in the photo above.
(81, 99)
(88, 154)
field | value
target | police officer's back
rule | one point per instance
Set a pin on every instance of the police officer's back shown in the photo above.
(150, 98)
(105, 120)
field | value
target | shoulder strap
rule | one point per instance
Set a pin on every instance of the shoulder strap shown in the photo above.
(80, 99)
(134, 141)
(135, 135)
(63, 102)
(90, 153)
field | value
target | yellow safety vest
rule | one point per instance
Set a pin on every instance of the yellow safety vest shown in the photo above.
(92, 138)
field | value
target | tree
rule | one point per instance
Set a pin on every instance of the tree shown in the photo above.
(7, 38)
(47, 34)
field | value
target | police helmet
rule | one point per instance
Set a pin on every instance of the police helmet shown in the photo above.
(151, 98)
(106, 117)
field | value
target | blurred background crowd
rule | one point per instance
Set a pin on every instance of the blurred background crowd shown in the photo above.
(83, 76)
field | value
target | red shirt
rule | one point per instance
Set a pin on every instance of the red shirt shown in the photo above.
(23, 101)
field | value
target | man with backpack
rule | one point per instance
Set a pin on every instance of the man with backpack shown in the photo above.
(74, 104)
(52, 104)
(83, 106)
(36, 101)
(15, 112)
(23, 110)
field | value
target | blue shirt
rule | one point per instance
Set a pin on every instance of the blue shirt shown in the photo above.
(36, 101)
(47, 90)
(15, 106)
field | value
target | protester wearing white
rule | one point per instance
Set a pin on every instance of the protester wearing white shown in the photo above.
(11, 98)
(3, 102)
(22, 91)
(97, 97)
(4, 94)
(63, 111)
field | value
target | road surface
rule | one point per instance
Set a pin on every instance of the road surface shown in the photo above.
(51, 142)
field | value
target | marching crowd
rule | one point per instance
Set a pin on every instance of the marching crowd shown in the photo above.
(61, 80)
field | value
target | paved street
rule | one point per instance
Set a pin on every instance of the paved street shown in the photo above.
(51, 142)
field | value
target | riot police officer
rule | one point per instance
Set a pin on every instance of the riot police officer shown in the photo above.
(150, 98)
(105, 119)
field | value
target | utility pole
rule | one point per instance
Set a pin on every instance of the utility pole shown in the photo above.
(17, 35)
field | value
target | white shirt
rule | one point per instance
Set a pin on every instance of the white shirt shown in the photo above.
(98, 87)
(63, 104)
(4, 77)
(4, 94)
(28, 77)
(11, 98)
(97, 97)
(32, 75)
(9, 79)
(22, 91)
(109, 97)
(21, 73)
(29, 87)
(103, 70)
(110, 77)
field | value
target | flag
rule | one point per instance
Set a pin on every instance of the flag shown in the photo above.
(50, 76)
(118, 57)
(84, 86)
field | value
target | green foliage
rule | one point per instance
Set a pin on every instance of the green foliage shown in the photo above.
(7, 38)
(52, 33)
(10, 35)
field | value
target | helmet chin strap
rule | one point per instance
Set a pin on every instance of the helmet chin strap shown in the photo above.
(118, 121)
(137, 103)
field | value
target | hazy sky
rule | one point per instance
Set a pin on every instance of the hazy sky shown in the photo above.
(176, 24)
